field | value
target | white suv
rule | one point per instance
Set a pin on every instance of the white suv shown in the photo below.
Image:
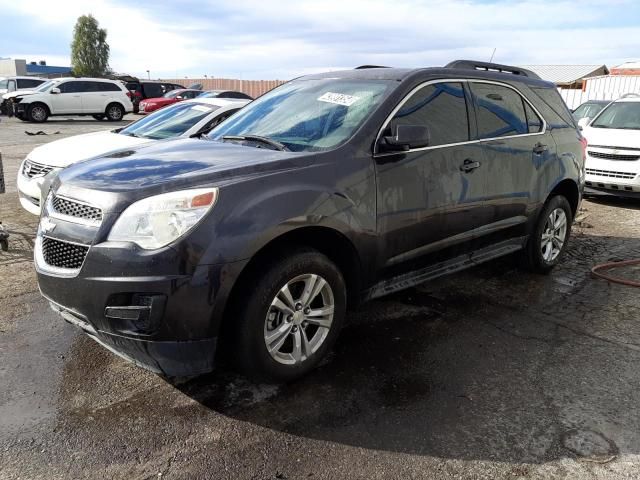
(74, 96)
(613, 149)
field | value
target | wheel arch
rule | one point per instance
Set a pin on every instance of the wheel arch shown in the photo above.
(328, 241)
(568, 189)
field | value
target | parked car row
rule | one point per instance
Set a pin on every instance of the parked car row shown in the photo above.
(98, 97)
(252, 240)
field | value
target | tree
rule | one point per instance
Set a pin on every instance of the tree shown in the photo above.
(89, 48)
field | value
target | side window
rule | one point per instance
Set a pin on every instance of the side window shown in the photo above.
(559, 116)
(107, 87)
(11, 85)
(500, 111)
(72, 87)
(93, 86)
(152, 90)
(442, 108)
(189, 94)
(534, 122)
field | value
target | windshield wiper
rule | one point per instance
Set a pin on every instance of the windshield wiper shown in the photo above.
(258, 138)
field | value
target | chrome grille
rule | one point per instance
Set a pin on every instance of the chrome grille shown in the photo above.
(613, 156)
(610, 173)
(70, 208)
(63, 254)
(32, 169)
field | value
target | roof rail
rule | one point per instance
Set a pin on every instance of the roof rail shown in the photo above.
(364, 67)
(491, 67)
(631, 95)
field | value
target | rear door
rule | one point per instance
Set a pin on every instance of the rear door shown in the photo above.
(94, 97)
(516, 147)
(427, 200)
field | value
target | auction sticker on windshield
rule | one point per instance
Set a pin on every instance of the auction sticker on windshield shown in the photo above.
(338, 99)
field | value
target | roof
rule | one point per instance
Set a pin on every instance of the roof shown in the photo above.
(627, 68)
(566, 73)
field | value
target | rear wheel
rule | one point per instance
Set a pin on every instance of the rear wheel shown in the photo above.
(114, 112)
(290, 318)
(38, 113)
(550, 237)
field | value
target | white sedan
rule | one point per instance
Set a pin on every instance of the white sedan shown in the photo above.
(179, 120)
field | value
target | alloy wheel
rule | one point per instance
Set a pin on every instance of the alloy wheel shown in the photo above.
(38, 113)
(554, 234)
(115, 113)
(299, 319)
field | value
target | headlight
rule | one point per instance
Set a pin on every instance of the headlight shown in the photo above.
(156, 221)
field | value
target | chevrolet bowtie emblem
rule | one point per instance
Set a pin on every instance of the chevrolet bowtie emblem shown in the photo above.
(46, 225)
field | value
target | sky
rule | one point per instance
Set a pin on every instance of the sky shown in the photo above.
(265, 39)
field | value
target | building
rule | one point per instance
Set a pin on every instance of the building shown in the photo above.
(10, 67)
(568, 76)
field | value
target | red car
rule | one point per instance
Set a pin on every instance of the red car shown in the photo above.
(148, 105)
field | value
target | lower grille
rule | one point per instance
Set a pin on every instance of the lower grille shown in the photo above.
(63, 254)
(32, 169)
(613, 156)
(610, 174)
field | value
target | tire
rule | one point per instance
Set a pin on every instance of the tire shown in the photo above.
(98, 117)
(114, 112)
(265, 314)
(37, 113)
(4, 245)
(547, 245)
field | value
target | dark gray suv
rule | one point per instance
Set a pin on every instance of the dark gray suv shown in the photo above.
(254, 240)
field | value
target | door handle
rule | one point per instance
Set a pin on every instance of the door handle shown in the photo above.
(469, 165)
(539, 148)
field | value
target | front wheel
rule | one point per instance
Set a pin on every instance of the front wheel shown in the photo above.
(550, 236)
(290, 318)
(37, 113)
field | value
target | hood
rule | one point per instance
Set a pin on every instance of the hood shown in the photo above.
(172, 165)
(18, 93)
(610, 137)
(62, 153)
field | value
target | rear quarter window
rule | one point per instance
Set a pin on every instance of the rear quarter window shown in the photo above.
(554, 109)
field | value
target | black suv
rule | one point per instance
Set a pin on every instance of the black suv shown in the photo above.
(141, 89)
(331, 189)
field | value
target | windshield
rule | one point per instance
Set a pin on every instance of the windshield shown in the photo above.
(588, 110)
(45, 86)
(307, 115)
(621, 115)
(170, 121)
(208, 94)
(4, 84)
(172, 94)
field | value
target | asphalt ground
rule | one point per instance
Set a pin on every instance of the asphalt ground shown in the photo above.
(493, 373)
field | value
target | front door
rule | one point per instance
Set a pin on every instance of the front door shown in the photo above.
(69, 99)
(430, 199)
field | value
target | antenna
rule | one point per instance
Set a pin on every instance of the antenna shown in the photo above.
(492, 55)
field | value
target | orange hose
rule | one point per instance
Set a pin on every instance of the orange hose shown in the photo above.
(595, 271)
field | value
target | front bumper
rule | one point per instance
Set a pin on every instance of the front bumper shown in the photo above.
(157, 308)
(29, 190)
(170, 358)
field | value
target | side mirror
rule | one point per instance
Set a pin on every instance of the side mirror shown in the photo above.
(179, 97)
(583, 122)
(55, 90)
(406, 137)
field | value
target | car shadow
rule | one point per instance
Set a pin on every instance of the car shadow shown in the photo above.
(489, 364)
(613, 201)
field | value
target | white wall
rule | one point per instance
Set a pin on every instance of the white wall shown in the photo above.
(10, 67)
(609, 87)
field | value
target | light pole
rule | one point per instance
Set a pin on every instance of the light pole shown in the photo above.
(148, 75)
